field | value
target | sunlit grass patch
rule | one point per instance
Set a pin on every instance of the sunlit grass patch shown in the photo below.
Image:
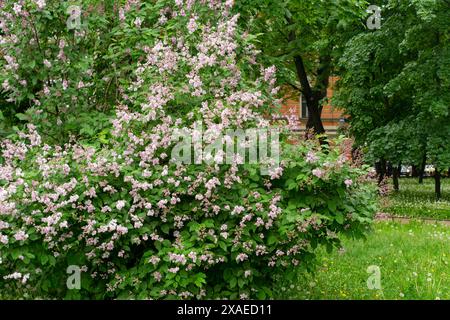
(414, 261)
(418, 200)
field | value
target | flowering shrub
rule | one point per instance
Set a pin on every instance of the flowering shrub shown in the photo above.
(56, 77)
(139, 224)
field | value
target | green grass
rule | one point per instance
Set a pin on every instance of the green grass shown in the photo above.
(414, 260)
(418, 200)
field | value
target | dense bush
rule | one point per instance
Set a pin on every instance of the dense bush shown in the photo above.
(59, 76)
(138, 224)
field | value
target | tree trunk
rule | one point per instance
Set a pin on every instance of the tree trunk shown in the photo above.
(395, 176)
(389, 169)
(315, 117)
(314, 95)
(414, 171)
(380, 167)
(422, 168)
(437, 184)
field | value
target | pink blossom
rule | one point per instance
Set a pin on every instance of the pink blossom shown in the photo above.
(40, 4)
(120, 204)
(47, 63)
(259, 222)
(311, 157)
(3, 225)
(157, 276)
(177, 258)
(121, 230)
(122, 15)
(237, 210)
(17, 8)
(154, 260)
(4, 239)
(174, 270)
(138, 22)
(318, 173)
(62, 44)
(243, 296)
(269, 73)
(21, 235)
(192, 25)
(241, 257)
(276, 173)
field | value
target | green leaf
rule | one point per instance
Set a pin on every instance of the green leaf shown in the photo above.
(223, 245)
(271, 239)
(165, 228)
(22, 116)
(339, 218)
(261, 295)
(227, 274)
(233, 282)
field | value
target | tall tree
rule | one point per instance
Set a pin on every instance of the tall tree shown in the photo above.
(304, 39)
(396, 80)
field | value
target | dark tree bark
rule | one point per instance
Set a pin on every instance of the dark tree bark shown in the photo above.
(389, 169)
(437, 184)
(414, 171)
(312, 96)
(380, 167)
(422, 168)
(395, 177)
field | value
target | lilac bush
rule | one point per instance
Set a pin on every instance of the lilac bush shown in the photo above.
(138, 224)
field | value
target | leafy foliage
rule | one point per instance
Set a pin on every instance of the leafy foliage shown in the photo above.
(395, 84)
(111, 200)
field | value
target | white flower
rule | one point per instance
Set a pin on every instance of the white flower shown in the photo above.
(138, 22)
(21, 235)
(318, 173)
(40, 3)
(120, 204)
(47, 63)
(17, 8)
(192, 25)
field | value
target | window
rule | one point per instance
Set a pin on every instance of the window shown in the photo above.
(304, 107)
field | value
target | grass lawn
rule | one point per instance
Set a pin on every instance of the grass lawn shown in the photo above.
(417, 200)
(414, 260)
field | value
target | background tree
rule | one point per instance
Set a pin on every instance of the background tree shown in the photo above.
(304, 39)
(396, 80)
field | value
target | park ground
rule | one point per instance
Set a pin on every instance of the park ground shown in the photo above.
(412, 253)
